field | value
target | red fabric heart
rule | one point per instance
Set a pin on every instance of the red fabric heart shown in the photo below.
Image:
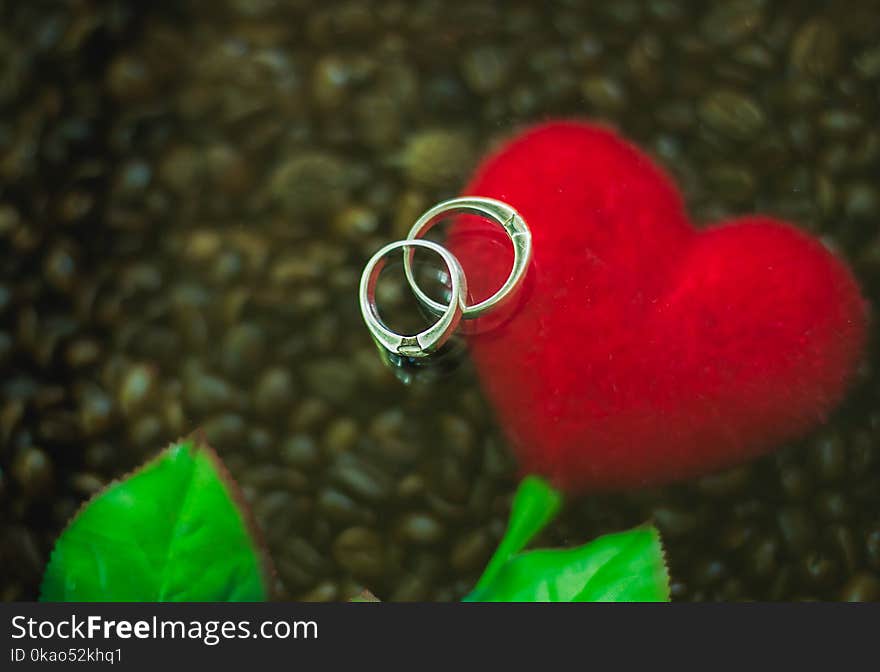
(648, 350)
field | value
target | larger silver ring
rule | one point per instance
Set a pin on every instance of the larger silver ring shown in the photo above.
(496, 211)
(432, 338)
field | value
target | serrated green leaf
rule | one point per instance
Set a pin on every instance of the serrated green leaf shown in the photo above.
(622, 567)
(172, 531)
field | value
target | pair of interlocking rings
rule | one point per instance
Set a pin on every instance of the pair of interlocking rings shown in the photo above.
(448, 316)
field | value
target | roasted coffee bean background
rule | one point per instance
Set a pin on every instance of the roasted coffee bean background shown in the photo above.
(188, 192)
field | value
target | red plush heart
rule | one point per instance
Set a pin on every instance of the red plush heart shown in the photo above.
(648, 350)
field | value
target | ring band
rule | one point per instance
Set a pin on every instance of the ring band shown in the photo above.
(500, 213)
(432, 338)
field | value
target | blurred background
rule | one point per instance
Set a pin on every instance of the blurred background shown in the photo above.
(188, 193)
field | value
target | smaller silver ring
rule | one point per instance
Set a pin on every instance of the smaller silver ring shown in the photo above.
(500, 213)
(432, 338)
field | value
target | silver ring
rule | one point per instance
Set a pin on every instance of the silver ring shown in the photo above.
(432, 338)
(496, 211)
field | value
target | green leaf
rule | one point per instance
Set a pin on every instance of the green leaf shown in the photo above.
(174, 530)
(365, 596)
(535, 504)
(621, 567)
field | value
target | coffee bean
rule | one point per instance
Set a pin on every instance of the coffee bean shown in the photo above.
(797, 529)
(224, 431)
(764, 558)
(33, 471)
(326, 591)
(795, 482)
(815, 48)
(829, 456)
(730, 22)
(137, 389)
(242, 350)
(359, 551)
(437, 158)
(341, 508)
(206, 393)
(604, 94)
(844, 543)
(300, 451)
(872, 547)
(409, 589)
(274, 392)
(341, 436)
(862, 587)
(819, 568)
(331, 379)
(732, 114)
(420, 528)
(470, 551)
(361, 478)
(486, 68)
(675, 522)
(833, 506)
